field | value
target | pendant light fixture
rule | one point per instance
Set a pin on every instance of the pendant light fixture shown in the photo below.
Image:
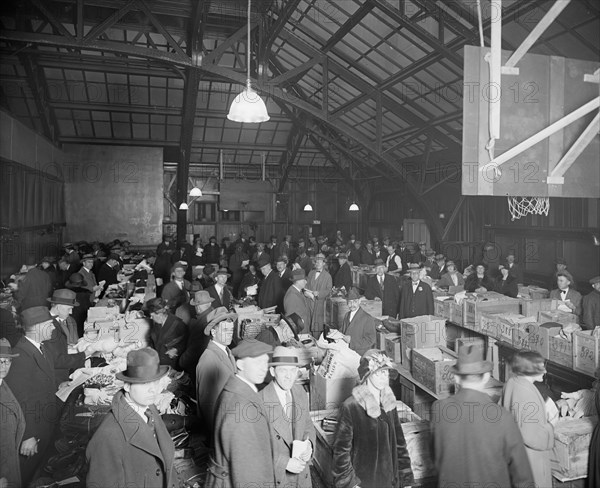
(248, 107)
(195, 192)
(308, 206)
(353, 207)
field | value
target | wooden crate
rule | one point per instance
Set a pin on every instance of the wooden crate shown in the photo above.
(527, 336)
(489, 324)
(532, 308)
(393, 347)
(557, 316)
(438, 308)
(478, 342)
(419, 332)
(561, 351)
(586, 352)
(432, 368)
(473, 308)
(329, 393)
(571, 448)
(336, 309)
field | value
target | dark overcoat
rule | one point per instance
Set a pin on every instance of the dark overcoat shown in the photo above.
(271, 292)
(12, 428)
(173, 333)
(343, 277)
(124, 453)
(591, 310)
(57, 347)
(361, 330)
(295, 301)
(390, 295)
(415, 304)
(243, 455)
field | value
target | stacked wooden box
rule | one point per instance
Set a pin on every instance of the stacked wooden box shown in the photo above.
(571, 448)
(421, 332)
(433, 368)
(490, 302)
(501, 326)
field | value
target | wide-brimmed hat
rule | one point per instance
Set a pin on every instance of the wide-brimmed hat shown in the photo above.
(251, 348)
(6, 350)
(372, 361)
(414, 266)
(595, 280)
(76, 279)
(87, 257)
(450, 263)
(298, 274)
(439, 257)
(215, 317)
(284, 356)
(342, 255)
(320, 256)
(379, 262)
(353, 294)
(64, 297)
(48, 259)
(223, 272)
(282, 259)
(263, 260)
(470, 361)
(34, 315)
(201, 297)
(295, 322)
(143, 366)
(179, 265)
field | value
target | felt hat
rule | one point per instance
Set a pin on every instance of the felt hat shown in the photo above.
(68, 245)
(372, 361)
(353, 294)
(48, 259)
(251, 348)
(155, 305)
(282, 259)
(215, 317)
(560, 261)
(223, 272)
(430, 253)
(414, 266)
(5, 349)
(595, 280)
(263, 260)
(201, 297)
(439, 257)
(87, 257)
(379, 262)
(295, 322)
(450, 263)
(179, 265)
(567, 275)
(320, 256)
(298, 274)
(470, 361)
(114, 256)
(64, 297)
(342, 255)
(284, 356)
(76, 279)
(35, 315)
(143, 366)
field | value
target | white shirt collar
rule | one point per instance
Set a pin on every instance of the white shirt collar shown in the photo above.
(415, 285)
(248, 383)
(352, 314)
(220, 346)
(565, 291)
(35, 343)
(141, 411)
(281, 394)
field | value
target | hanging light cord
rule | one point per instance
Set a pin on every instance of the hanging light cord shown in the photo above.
(248, 45)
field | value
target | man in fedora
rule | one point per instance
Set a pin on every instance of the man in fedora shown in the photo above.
(215, 366)
(12, 424)
(285, 275)
(47, 265)
(438, 268)
(420, 256)
(270, 292)
(168, 334)
(416, 297)
(31, 379)
(283, 332)
(319, 283)
(86, 270)
(108, 272)
(490, 449)
(358, 327)
(219, 291)
(287, 407)
(383, 287)
(569, 297)
(243, 455)
(64, 336)
(343, 276)
(298, 300)
(34, 288)
(197, 339)
(591, 305)
(132, 446)
(177, 292)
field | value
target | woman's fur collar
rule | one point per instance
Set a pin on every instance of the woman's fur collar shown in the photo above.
(365, 398)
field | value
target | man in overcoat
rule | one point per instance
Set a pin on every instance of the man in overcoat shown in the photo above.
(132, 446)
(298, 300)
(270, 292)
(476, 442)
(343, 277)
(358, 326)
(243, 455)
(591, 305)
(287, 407)
(168, 334)
(416, 297)
(219, 291)
(384, 287)
(319, 283)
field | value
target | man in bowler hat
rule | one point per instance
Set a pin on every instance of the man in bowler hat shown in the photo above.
(132, 446)
(476, 442)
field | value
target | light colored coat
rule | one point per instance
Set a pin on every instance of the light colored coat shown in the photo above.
(281, 434)
(526, 404)
(323, 285)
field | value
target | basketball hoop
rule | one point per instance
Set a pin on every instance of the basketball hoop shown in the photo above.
(521, 206)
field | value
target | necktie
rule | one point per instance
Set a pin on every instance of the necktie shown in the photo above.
(290, 411)
(221, 295)
(381, 282)
(231, 358)
(317, 274)
(43, 350)
(148, 413)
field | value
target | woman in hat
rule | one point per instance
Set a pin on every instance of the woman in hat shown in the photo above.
(506, 283)
(451, 278)
(522, 398)
(479, 281)
(12, 423)
(132, 446)
(168, 334)
(369, 449)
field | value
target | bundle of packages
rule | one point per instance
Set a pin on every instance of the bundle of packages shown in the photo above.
(340, 361)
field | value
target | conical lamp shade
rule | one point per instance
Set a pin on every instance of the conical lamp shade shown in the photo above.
(353, 207)
(308, 207)
(248, 107)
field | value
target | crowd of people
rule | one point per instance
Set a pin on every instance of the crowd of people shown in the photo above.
(194, 328)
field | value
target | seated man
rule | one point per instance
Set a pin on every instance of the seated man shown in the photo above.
(570, 298)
